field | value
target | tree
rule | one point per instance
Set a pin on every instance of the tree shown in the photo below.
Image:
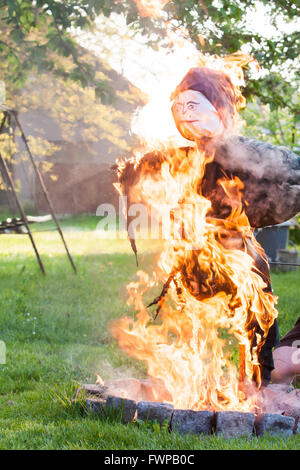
(31, 31)
(38, 36)
(220, 27)
(35, 33)
(76, 114)
(277, 126)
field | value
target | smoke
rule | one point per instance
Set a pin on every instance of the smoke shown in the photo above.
(261, 159)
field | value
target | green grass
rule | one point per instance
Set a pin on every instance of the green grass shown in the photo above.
(56, 330)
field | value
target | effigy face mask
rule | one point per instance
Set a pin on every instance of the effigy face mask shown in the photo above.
(195, 117)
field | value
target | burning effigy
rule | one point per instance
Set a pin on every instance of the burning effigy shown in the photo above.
(212, 277)
(214, 274)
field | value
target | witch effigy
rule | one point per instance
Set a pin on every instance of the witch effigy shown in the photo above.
(203, 108)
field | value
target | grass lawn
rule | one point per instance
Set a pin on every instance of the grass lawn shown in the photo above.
(56, 334)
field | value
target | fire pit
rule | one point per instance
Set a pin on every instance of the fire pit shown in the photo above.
(133, 400)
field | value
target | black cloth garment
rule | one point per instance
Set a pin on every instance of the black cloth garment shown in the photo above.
(292, 336)
(265, 356)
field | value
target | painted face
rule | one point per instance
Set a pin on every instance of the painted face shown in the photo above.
(195, 116)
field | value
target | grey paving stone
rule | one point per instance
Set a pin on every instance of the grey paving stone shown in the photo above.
(96, 405)
(123, 406)
(275, 424)
(153, 411)
(234, 423)
(193, 422)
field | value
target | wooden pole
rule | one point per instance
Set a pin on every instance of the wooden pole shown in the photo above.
(10, 198)
(22, 213)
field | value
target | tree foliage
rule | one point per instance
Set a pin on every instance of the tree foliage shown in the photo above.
(277, 126)
(35, 33)
(224, 27)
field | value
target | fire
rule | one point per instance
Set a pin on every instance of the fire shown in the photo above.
(212, 291)
(183, 347)
(99, 380)
(152, 8)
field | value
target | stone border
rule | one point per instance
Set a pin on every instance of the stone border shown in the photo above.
(228, 424)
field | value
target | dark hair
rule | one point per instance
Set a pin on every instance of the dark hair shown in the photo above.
(215, 86)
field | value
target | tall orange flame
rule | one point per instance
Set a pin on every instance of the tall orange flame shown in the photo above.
(184, 347)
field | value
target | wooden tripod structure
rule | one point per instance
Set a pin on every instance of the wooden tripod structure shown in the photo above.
(10, 115)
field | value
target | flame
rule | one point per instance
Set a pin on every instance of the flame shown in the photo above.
(183, 348)
(99, 380)
(213, 292)
(151, 8)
